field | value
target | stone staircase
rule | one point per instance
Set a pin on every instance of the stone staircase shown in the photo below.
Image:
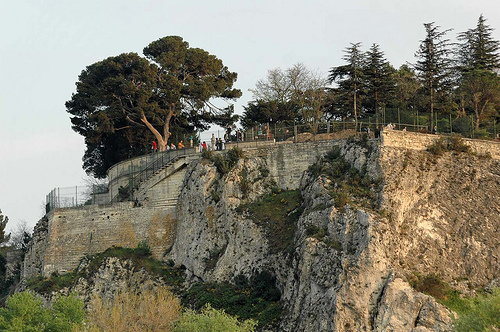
(161, 189)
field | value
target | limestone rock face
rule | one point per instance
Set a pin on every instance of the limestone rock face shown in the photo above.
(214, 241)
(112, 276)
(355, 276)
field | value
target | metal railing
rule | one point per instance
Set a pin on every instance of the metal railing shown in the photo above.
(64, 197)
(128, 175)
(131, 180)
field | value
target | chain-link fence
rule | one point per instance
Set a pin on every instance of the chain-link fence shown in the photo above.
(63, 197)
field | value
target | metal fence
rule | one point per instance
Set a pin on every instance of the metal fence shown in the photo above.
(124, 177)
(63, 197)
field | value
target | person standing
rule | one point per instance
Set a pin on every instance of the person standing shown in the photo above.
(377, 132)
(154, 147)
(180, 145)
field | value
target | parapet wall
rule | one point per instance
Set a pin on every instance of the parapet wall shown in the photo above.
(418, 141)
(287, 162)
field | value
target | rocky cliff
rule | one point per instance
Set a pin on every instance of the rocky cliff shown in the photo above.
(353, 246)
(352, 230)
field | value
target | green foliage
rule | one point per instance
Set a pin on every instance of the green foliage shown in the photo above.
(315, 232)
(478, 50)
(3, 222)
(213, 257)
(433, 65)
(226, 161)
(207, 154)
(349, 185)
(278, 213)
(447, 144)
(256, 299)
(481, 313)
(431, 285)
(25, 312)
(124, 102)
(123, 193)
(140, 257)
(380, 83)
(212, 320)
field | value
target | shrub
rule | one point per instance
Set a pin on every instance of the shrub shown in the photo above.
(152, 310)
(225, 162)
(207, 154)
(348, 184)
(257, 298)
(445, 144)
(140, 257)
(212, 320)
(26, 312)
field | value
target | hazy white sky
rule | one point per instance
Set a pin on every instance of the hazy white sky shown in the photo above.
(45, 44)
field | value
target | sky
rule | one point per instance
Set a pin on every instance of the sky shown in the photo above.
(45, 44)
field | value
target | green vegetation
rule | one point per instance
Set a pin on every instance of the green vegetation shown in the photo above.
(481, 313)
(224, 162)
(26, 312)
(349, 185)
(212, 320)
(448, 144)
(140, 257)
(257, 299)
(277, 213)
(151, 310)
(124, 102)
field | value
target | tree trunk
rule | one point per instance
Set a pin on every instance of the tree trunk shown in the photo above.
(432, 107)
(355, 112)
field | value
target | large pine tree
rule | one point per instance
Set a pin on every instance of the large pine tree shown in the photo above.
(478, 50)
(378, 79)
(434, 65)
(350, 78)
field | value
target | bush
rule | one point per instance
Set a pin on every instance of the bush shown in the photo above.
(277, 213)
(152, 310)
(225, 162)
(26, 312)
(446, 144)
(348, 184)
(212, 320)
(257, 298)
(140, 257)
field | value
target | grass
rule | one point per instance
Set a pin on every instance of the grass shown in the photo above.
(480, 313)
(277, 213)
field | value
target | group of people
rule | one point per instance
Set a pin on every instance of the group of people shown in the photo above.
(216, 144)
(172, 146)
